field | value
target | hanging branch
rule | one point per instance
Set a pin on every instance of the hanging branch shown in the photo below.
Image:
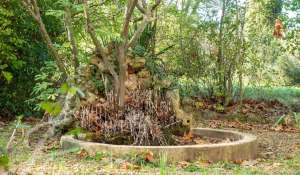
(147, 18)
(140, 8)
(71, 38)
(100, 51)
(32, 7)
(141, 28)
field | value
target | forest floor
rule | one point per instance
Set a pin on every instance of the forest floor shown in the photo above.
(279, 153)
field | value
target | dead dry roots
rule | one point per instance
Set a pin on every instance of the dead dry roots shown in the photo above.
(147, 119)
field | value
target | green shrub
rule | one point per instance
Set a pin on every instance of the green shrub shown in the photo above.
(46, 86)
(292, 69)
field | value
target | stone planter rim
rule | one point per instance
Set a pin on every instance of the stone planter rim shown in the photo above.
(244, 147)
(245, 137)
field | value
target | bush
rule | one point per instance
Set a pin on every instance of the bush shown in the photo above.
(292, 70)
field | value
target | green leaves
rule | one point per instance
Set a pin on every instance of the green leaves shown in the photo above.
(66, 89)
(7, 75)
(280, 120)
(53, 108)
(4, 159)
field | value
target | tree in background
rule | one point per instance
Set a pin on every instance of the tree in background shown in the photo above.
(22, 54)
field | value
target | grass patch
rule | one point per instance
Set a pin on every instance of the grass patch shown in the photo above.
(286, 95)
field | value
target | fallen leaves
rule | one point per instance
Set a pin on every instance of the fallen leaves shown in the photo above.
(149, 157)
(82, 154)
(272, 166)
(250, 126)
(257, 107)
(249, 163)
(129, 166)
(289, 157)
(183, 164)
(187, 137)
(238, 161)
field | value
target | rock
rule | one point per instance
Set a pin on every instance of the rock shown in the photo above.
(132, 82)
(144, 74)
(135, 65)
(145, 83)
(180, 114)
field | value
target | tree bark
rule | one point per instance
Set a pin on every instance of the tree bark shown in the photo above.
(122, 50)
(221, 77)
(71, 38)
(32, 7)
(240, 56)
(99, 49)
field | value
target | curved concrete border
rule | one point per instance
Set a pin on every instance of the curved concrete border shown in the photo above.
(243, 148)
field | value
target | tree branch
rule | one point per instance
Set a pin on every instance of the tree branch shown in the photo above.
(140, 8)
(99, 49)
(147, 18)
(32, 7)
(71, 37)
(128, 13)
(137, 34)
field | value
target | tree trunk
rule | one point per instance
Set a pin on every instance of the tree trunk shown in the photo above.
(122, 75)
(32, 7)
(220, 66)
(71, 38)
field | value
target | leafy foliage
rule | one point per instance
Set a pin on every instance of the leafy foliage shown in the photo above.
(45, 88)
(22, 54)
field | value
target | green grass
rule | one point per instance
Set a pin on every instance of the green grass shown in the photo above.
(286, 95)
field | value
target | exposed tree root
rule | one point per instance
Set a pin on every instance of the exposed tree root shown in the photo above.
(56, 125)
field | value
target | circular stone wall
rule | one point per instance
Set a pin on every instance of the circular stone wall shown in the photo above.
(243, 147)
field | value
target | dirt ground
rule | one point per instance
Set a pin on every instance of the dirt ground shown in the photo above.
(279, 153)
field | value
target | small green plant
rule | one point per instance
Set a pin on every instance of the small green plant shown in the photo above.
(296, 119)
(280, 120)
(45, 88)
(76, 131)
(219, 108)
(192, 168)
(136, 159)
(163, 164)
(293, 119)
(18, 125)
(98, 156)
(53, 108)
(4, 159)
(53, 154)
